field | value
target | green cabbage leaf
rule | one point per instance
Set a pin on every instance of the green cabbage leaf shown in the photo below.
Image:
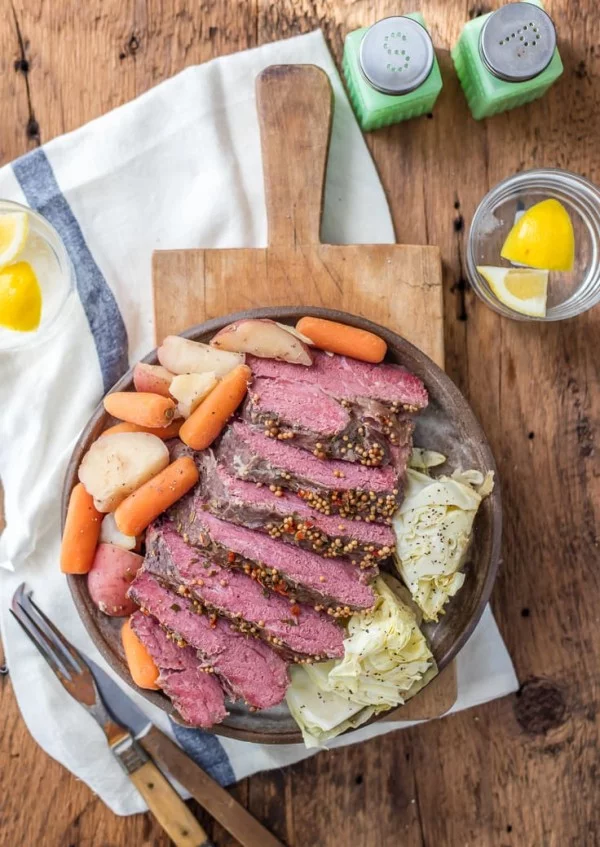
(386, 661)
(433, 528)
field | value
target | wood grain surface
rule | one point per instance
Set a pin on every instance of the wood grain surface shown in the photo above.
(520, 772)
(398, 286)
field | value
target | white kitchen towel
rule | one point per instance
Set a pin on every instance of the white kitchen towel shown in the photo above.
(178, 167)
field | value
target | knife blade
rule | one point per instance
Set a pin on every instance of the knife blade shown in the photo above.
(119, 705)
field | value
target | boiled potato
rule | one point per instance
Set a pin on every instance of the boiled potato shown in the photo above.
(117, 464)
(111, 534)
(109, 579)
(265, 339)
(190, 390)
(153, 379)
(182, 356)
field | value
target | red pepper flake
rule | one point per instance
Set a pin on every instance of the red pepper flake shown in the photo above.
(300, 536)
(231, 557)
(295, 610)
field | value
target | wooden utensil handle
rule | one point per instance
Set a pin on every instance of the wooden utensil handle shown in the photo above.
(212, 797)
(294, 109)
(168, 808)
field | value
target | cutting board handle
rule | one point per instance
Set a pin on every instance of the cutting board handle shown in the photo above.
(294, 110)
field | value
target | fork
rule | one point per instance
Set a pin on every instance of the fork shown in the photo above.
(75, 676)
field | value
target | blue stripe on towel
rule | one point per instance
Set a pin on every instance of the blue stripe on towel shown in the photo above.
(37, 180)
(206, 750)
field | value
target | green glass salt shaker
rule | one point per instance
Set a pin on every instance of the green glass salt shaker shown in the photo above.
(391, 71)
(507, 58)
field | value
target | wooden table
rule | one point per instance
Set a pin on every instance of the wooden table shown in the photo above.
(522, 771)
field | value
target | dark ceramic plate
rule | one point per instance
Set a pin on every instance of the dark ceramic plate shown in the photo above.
(448, 425)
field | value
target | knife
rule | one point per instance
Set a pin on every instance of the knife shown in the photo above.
(204, 789)
(156, 746)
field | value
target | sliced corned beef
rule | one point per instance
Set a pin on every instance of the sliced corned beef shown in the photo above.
(329, 486)
(349, 379)
(297, 629)
(248, 668)
(285, 516)
(338, 584)
(196, 694)
(308, 417)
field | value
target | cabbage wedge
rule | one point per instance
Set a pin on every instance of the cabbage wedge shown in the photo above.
(386, 661)
(433, 529)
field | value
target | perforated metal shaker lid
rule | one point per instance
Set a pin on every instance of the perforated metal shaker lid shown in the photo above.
(396, 55)
(517, 42)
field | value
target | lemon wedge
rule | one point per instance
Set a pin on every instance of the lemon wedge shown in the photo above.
(522, 289)
(20, 298)
(542, 238)
(14, 229)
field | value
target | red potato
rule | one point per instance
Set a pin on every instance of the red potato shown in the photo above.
(182, 356)
(117, 464)
(190, 390)
(153, 379)
(111, 534)
(109, 579)
(263, 338)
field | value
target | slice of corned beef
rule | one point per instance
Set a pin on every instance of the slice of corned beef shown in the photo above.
(328, 486)
(308, 417)
(247, 668)
(349, 379)
(296, 629)
(283, 515)
(338, 584)
(195, 693)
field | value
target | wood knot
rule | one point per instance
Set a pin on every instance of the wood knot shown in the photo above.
(131, 48)
(540, 706)
(32, 129)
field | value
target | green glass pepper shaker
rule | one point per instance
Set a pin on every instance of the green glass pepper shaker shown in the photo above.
(391, 71)
(507, 58)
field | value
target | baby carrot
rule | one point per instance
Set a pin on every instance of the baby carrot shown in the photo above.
(164, 432)
(133, 515)
(207, 421)
(141, 665)
(82, 529)
(140, 407)
(343, 339)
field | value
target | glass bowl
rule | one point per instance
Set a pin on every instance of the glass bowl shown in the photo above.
(569, 293)
(47, 255)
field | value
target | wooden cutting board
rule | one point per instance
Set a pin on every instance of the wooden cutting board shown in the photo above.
(397, 285)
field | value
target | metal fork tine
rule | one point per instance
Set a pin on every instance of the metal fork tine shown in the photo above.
(38, 637)
(68, 664)
(72, 654)
(21, 609)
